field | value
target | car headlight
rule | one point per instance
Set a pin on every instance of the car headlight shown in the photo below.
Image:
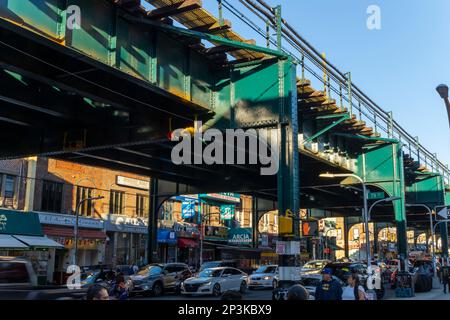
(206, 284)
(267, 278)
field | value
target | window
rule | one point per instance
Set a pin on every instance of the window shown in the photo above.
(167, 211)
(141, 205)
(10, 187)
(355, 234)
(116, 203)
(86, 208)
(51, 196)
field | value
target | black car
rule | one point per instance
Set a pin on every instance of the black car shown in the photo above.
(155, 279)
(343, 270)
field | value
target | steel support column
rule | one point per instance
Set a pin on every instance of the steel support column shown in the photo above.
(152, 241)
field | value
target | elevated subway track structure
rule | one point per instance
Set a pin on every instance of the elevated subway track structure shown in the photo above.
(109, 92)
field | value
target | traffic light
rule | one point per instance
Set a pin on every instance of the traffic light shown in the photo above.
(286, 224)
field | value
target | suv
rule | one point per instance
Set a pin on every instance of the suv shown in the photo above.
(155, 279)
(343, 270)
(16, 272)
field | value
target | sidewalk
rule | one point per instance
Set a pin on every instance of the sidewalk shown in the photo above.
(435, 294)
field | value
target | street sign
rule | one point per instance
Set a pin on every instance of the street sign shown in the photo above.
(443, 213)
(376, 195)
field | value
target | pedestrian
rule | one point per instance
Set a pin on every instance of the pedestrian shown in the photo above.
(328, 289)
(135, 268)
(297, 292)
(354, 290)
(445, 275)
(97, 292)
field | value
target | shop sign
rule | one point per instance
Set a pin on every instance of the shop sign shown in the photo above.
(227, 212)
(186, 230)
(216, 233)
(188, 209)
(83, 244)
(166, 236)
(69, 220)
(226, 197)
(123, 223)
(240, 236)
(20, 223)
(132, 183)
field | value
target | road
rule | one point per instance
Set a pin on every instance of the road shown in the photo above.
(260, 295)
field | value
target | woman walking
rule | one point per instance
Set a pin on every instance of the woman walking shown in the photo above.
(354, 290)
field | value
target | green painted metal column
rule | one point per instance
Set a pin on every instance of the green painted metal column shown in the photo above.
(382, 166)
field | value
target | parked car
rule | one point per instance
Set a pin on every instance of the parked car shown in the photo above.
(16, 272)
(97, 277)
(218, 264)
(18, 281)
(313, 267)
(215, 281)
(344, 270)
(311, 281)
(264, 277)
(155, 279)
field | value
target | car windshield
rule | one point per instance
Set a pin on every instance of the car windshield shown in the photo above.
(266, 269)
(90, 278)
(207, 273)
(150, 271)
(313, 265)
(209, 265)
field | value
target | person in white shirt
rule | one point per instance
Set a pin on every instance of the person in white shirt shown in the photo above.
(354, 290)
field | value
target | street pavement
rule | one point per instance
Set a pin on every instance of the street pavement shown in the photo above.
(258, 295)
(266, 295)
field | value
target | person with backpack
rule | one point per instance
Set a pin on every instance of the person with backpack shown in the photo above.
(328, 289)
(354, 290)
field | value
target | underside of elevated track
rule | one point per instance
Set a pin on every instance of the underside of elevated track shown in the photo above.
(110, 92)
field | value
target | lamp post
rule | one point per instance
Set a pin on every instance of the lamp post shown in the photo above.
(365, 213)
(443, 93)
(77, 214)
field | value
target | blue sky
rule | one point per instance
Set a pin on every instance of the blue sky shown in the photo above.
(398, 66)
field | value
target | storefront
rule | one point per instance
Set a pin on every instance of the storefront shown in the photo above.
(91, 242)
(167, 245)
(214, 238)
(126, 240)
(188, 235)
(21, 235)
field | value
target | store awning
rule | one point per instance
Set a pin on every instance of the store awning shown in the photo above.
(39, 242)
(187, 243)
(9, 242)
(69, 233)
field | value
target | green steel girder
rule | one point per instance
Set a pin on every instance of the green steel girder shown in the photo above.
(382, 166)
(335, 123)
(208, 37)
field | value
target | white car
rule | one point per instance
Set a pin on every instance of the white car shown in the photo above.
(313, 267)
(264, 277)
(215, 281)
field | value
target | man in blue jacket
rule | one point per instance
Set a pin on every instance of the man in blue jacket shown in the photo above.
(329, 288)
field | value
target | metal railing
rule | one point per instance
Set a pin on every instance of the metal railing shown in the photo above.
(336, 84)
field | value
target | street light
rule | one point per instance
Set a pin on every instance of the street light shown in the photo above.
(390, 199)
(365, 213)
(443, 93)
(75, 256)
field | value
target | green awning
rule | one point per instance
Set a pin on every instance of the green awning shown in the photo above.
(15, 222)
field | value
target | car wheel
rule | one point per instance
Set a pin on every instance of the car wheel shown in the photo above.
(274, 284)
(157, 289)
(216, 290)
(243, 287)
